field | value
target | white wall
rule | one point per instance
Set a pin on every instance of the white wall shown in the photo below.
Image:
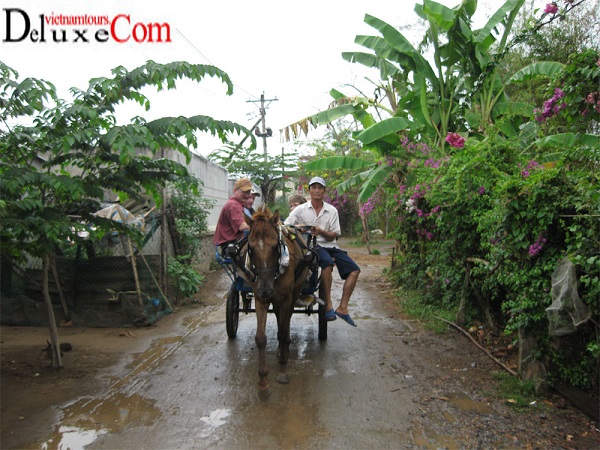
(215, 179)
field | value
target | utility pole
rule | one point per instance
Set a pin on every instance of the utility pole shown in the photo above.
(263, 132)
(282, 171)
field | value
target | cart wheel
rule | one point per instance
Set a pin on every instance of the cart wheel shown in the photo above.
(322, 319)
(232, 311)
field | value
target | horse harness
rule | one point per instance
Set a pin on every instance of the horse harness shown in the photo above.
(244, 261)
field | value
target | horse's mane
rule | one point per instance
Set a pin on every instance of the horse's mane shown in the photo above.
(263, 213)
(262, 221)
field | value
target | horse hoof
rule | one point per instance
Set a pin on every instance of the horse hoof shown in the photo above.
(264, 393)
(283, 378)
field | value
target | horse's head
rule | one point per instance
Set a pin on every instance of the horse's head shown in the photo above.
(264, 250)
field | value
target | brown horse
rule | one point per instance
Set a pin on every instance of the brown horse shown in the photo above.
(274, 284)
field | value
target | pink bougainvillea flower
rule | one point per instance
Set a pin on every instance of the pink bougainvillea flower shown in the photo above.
(551, 106)
(455, 140)
(536, 247)
(551, 8)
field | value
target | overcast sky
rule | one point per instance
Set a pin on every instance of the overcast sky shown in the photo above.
(287, 50)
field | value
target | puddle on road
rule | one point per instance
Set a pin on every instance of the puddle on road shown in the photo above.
(208, 316)
(291, 426)
(427, 438)
(464, 403)
(150, 358)
(87, 419)
(214, 421)
(193, 321)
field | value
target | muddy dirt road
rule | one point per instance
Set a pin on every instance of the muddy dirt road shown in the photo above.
(183, 384)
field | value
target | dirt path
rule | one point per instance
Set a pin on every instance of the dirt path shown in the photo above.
(450, 381)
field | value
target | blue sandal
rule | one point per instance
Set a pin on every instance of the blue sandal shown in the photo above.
(330, 315)
(347, 318)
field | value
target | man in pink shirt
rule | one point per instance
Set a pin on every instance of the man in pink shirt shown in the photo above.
(231, 224)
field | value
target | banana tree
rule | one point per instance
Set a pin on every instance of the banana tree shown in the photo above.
(461, 90)
(460, 77)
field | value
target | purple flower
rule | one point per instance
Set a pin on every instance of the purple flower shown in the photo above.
(455, 140)
(481, 190)
(551, 8)
(551, 106)
(530, 166)
(536, 247)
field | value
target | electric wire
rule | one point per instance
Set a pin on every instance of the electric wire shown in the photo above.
(210, 62)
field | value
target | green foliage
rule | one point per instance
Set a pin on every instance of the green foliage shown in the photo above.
(410, 302)
(516, 218)
(518, 393)
(575, 358)
(580, 82)
(267, 171)
(510, 201)
(61, 165)
(185, 277)
(191, 212)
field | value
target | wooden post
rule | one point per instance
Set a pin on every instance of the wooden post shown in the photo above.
(127, 247)
(156, 282)
(163, 275)
(138, 289)
(365, 232)
(460, 314)
(61, 295)
(56, 358)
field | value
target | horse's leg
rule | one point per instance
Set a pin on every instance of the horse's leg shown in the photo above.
(284, 317)
(261, 344)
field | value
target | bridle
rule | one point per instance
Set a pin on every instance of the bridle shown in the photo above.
(278, 269)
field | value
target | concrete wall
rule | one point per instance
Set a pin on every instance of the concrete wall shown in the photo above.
(215, 179)
(218, 186)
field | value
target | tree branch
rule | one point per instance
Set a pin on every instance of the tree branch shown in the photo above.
(466, 333)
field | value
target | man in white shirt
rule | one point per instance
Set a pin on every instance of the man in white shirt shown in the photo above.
(324, 223)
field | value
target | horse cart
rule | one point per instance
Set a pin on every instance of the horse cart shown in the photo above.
(240, 296)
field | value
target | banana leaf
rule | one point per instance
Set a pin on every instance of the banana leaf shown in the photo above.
(538, 69)
(374, 180)
(382, 129)
(485, 37)
(338, 162)
(564, 140)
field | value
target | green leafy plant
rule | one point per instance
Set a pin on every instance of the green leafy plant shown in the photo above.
(191, 211)
(185, 277)
(517, 393)
(61, 157)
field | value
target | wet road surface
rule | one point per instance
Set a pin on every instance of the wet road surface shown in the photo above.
(198, 389)
(386, 384)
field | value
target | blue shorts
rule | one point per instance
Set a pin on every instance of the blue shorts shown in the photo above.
(330, 256)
